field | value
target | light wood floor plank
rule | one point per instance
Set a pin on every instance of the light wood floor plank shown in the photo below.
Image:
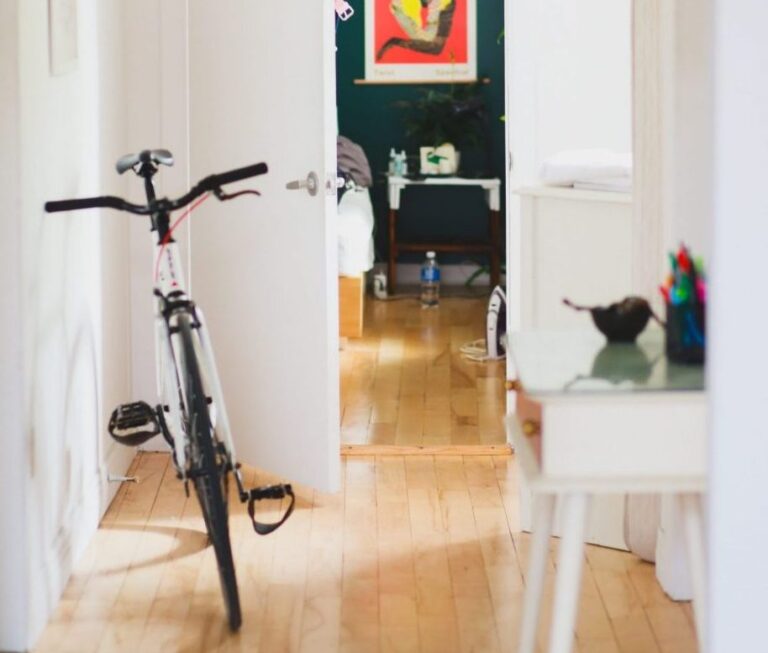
(398, 623)
(622, 603)
(323, 594)
(285, 595)
(673, 630)
(136, 597)
(360, 586)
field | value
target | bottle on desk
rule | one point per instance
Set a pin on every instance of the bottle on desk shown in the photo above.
(430, 282)
(403, 164)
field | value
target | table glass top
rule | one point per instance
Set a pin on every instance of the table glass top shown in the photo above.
(582, 362)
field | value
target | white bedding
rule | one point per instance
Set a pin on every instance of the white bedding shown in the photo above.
(355, 232)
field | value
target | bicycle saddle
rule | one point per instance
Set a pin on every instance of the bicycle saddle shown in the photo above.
(129, 161)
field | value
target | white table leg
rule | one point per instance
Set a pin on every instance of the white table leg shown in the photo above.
(569, 568)
(690, 505)
(543, 513)
(672, 568)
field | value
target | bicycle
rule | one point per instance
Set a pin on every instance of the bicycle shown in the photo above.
(190, 415)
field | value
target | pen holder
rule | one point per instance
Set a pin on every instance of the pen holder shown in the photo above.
(685, 333)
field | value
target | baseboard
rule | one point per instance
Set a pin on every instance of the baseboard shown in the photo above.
(452, 274)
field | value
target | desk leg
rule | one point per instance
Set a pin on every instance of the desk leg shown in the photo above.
(544, 511)
(690, 506)
(392, 270)
(569, 568)
(496, 249)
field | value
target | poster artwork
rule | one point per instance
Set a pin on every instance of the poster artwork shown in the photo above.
(421, 40)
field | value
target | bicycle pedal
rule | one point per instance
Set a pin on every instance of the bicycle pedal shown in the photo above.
(133, 424)
(271, 492)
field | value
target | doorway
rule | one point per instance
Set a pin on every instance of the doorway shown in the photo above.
(406, 386)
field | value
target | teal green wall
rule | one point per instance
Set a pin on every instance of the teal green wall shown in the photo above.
(367, 117)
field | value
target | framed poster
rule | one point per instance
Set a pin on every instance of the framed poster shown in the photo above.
(417, 41)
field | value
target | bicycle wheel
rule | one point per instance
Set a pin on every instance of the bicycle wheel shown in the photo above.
(210, 477)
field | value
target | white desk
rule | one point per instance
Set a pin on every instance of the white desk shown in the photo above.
(490, 247)
(395, 186)
(603, 419)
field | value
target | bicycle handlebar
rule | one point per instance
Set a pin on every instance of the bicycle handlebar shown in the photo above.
(236, 175)
(106, 202)
(208, 184)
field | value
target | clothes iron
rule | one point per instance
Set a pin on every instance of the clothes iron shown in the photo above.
(494, 346)
(496, 324)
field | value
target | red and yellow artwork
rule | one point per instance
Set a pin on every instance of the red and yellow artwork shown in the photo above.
(420, 40)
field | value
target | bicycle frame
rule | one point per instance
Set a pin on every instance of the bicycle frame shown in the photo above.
(170, 291)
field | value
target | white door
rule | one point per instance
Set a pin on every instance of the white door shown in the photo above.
(262, 88)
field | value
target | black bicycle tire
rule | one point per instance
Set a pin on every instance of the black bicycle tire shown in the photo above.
(209, 484)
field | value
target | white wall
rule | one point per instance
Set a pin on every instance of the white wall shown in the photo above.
(13, 535)
(673, 108)
(569, 77)
(569, 71)
(70, 326)
(738, 355)
(690, 217)
(159, 68)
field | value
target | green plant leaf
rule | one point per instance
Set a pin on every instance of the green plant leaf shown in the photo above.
(435, 117)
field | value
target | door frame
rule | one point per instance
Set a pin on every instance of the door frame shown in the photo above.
(521, 146)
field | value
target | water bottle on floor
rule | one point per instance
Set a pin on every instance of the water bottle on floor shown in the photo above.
(430, 282)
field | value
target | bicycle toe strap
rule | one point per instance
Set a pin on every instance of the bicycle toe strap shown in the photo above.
(270, 492)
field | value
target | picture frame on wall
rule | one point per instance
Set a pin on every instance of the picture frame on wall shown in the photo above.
(420, 41)
(62, 36)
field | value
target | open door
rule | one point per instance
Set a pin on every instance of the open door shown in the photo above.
(264, 270)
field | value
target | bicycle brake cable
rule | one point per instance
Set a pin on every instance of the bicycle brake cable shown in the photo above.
(169, 235)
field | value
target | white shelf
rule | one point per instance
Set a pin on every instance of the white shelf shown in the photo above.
(569, 193)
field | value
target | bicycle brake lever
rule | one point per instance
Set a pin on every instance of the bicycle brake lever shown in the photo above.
(222, 196)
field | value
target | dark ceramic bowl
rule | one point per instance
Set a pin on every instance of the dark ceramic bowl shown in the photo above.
(622, 321)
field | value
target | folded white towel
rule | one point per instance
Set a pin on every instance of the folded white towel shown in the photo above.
(608, 184)
(566, 168)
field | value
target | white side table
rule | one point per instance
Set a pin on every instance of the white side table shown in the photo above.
(490, 247)
(595, 419)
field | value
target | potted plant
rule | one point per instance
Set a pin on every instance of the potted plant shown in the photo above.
(443, 122)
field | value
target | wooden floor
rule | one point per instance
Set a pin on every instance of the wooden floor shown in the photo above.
(416, 554)
(405, 383)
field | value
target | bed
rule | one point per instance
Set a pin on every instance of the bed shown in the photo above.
(355, 258)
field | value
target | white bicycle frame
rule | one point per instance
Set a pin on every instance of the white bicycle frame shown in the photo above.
(168, 357)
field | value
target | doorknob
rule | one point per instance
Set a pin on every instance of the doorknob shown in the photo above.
(310, 183)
